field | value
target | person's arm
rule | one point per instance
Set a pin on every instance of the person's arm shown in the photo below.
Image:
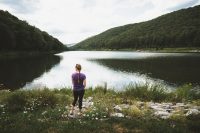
(84, 83)
(72, 80)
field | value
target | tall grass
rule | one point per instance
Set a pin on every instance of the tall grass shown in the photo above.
(187, 93)
(158, 93)
(146, 92)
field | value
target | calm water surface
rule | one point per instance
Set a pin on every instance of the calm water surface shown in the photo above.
(117, 69)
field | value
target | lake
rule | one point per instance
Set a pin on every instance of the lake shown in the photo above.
(116, 69)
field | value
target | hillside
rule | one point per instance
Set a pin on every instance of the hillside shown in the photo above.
(18, 35)
(174, 30)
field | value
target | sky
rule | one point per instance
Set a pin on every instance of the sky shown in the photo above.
(72, 21)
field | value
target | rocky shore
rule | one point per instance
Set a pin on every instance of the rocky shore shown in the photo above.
(162, 110)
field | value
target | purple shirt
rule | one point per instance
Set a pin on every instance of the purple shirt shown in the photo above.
(77, 79)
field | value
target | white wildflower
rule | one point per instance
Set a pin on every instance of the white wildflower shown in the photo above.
(25, 112)
(43, 113)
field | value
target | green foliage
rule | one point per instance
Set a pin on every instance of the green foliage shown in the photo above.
(187, 92)
(146, 92)
(16, 101)
(18, 35)
(177, 29)
(30, 100)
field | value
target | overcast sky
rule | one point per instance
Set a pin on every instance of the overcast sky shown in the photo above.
(72, 21)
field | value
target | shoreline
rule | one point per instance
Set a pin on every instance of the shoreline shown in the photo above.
(14, 54)
(164, 50)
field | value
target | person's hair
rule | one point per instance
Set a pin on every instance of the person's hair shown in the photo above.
(78, 67)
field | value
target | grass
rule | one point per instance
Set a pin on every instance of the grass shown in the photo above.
(44, 110)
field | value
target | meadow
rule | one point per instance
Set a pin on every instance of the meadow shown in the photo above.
(46, 110)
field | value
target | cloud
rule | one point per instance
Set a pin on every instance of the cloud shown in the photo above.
(72, 21)
(21, 6)
(186, 4)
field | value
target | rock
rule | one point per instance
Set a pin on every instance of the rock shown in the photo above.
(125, 106)
(117, 115)
(166, 105)
(140, 104)
(117, 108)
(162, 114)
(180, 104)
(196, 107)
(87, 104)
(89, 99)
(169, 110)
(192, 112)
(157, 108)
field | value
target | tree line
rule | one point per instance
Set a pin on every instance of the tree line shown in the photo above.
(177, 29)
(18, 35)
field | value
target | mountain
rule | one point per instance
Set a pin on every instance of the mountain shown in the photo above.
(174, 30)
(18, 35)
(70, 45)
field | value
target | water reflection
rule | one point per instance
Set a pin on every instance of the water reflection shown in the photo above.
(96, 75)
(176, 70)
(17, 72)
(117, 69)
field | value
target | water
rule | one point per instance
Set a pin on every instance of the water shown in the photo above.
(117, 69)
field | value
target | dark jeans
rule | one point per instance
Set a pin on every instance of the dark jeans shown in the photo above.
(78, 95)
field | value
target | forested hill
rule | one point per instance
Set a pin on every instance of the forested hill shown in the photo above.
(17, 35)
(177, 29)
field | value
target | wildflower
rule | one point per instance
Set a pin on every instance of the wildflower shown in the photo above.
(25, 112)
(43, 113)
(96, 118)
(2, 106)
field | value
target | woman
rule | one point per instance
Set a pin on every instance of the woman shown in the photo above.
(79, 83)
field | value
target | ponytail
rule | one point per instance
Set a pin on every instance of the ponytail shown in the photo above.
(78, 67)
(78, 77)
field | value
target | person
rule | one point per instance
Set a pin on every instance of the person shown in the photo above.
(79, 84)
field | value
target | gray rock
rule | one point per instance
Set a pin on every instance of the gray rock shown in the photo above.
(124, 106)
(117, 108)
(162, 114)
(192, 112)
(89, 99)
(180, 104)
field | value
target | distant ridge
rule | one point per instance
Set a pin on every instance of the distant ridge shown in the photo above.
(174, 30)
